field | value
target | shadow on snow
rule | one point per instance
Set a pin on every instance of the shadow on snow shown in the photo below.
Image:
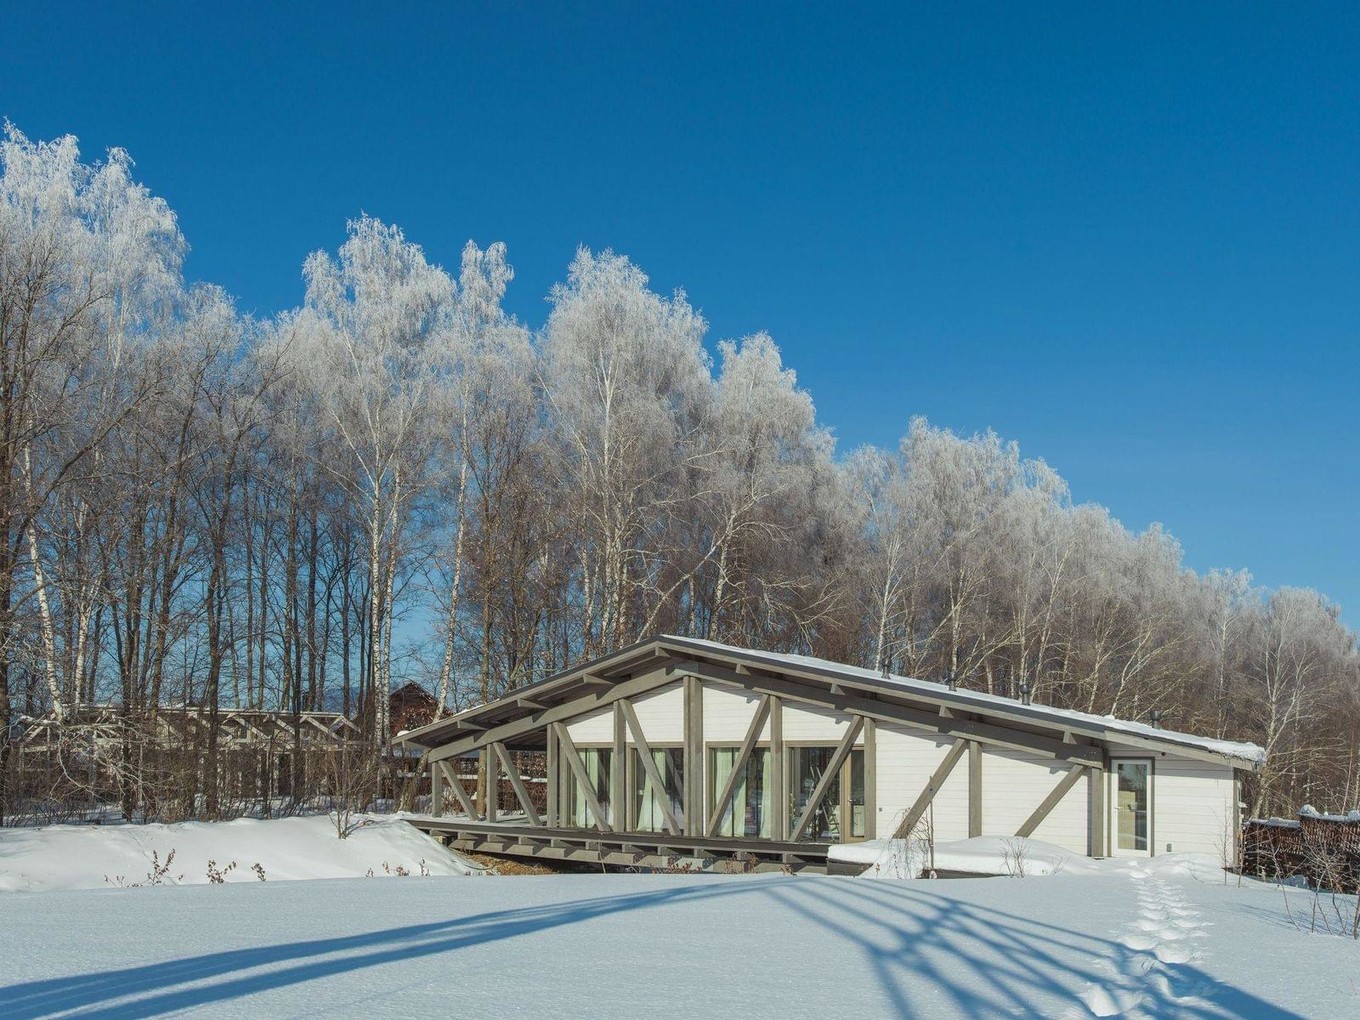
(924, 949)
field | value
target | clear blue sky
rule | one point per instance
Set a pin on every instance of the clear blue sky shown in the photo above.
(1128, 238)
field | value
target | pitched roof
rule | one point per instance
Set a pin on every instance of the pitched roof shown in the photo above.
(640, 656)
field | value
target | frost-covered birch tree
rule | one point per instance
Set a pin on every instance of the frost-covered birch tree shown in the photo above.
(87, 258)
(625, 379)
(372, 342)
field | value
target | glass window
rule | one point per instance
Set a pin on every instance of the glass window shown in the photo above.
(597, 763)
(750, 810)
(844, 797)
(807, 765)
(1132, 804)
(647, 813)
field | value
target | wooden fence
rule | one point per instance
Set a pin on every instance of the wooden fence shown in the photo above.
(1324, 849)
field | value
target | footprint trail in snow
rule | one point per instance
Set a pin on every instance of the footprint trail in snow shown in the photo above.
(1150, 974)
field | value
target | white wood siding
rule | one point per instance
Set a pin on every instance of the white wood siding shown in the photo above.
(662, 715)
(906, 759)
(803, 723)
(1194, 806)
(728, 713)
(1194, 802)
(1014, 783)
(595, 728)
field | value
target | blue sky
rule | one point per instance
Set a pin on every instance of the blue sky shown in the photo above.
(1127, 238)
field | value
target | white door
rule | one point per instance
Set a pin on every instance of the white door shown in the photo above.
(1131, 807)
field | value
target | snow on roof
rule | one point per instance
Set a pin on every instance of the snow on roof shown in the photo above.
(1308, 811)
(1238, 750)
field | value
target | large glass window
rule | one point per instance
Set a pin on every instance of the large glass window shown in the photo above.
(597, 762)
(1131, 804)
(648, 815)
(807, 766)
(844, 798)
(749, 813)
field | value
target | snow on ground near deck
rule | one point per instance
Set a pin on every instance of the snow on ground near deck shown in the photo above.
(81, 856)
(981, 855)
(1141, 940)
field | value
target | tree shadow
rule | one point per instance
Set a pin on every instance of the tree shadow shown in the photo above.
(993, 963)
(924, 948)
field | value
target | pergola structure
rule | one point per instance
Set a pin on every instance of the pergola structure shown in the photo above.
(104, 725)
(680, 747)
(256, 747)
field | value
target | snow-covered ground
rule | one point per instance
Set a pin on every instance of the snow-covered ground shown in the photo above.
(1155, 938)
(1012, 856)
(99, 856)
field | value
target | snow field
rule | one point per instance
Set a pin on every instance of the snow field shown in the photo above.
(1139, 939)
(1150, 942)
(98, 856)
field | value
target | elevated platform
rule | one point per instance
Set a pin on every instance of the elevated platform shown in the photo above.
(656, 850)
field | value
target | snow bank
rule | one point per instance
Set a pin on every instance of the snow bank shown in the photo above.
(288, 849)
(982, 855)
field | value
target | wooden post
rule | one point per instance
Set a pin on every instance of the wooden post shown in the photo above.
(974, 789)
(694, 757)
(1095, 797)
(450, 770)
(554, 781)
(491, 769)
(779, 824)
(870, 779)
(618, 808)
(436, 790)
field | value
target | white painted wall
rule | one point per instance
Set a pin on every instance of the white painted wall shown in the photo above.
(661, 714)
(728, 713)
(1014, 783)
(906, 759)
(808, 723)
(595, 728)
(1194, 806)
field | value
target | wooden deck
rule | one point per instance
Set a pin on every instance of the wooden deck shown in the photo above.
(622, 849)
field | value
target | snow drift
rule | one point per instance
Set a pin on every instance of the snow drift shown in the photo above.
(285, 849)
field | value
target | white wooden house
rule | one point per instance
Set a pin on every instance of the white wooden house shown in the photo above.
(683, 747)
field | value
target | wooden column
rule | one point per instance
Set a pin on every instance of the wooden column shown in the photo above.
(618, 808)
(974, 788)
(779, 824)
(491, 770)
(1095, 799)
(694, 757)
(870, 780)
(455, 785)
(550, 772)
(436, 790)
